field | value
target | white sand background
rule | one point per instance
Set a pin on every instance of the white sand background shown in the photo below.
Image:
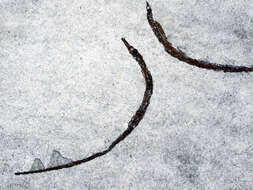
(69, 86)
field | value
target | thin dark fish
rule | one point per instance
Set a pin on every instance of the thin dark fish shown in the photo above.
(177, 53)
(136, 118)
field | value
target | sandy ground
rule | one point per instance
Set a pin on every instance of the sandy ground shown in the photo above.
(68, 88)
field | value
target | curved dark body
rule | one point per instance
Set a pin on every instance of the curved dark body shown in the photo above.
(136, 118)
(177, 53)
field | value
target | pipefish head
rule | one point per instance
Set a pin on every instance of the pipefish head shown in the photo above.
(148, 6)
(130, 48)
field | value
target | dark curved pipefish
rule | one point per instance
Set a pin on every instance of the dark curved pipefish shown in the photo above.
(136, 118)
(177, 53)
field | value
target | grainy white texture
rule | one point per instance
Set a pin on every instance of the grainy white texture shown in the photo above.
(67, 83)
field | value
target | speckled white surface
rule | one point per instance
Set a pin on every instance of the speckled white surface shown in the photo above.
(68, 84)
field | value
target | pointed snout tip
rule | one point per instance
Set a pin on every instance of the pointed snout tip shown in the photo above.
(125, 42)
